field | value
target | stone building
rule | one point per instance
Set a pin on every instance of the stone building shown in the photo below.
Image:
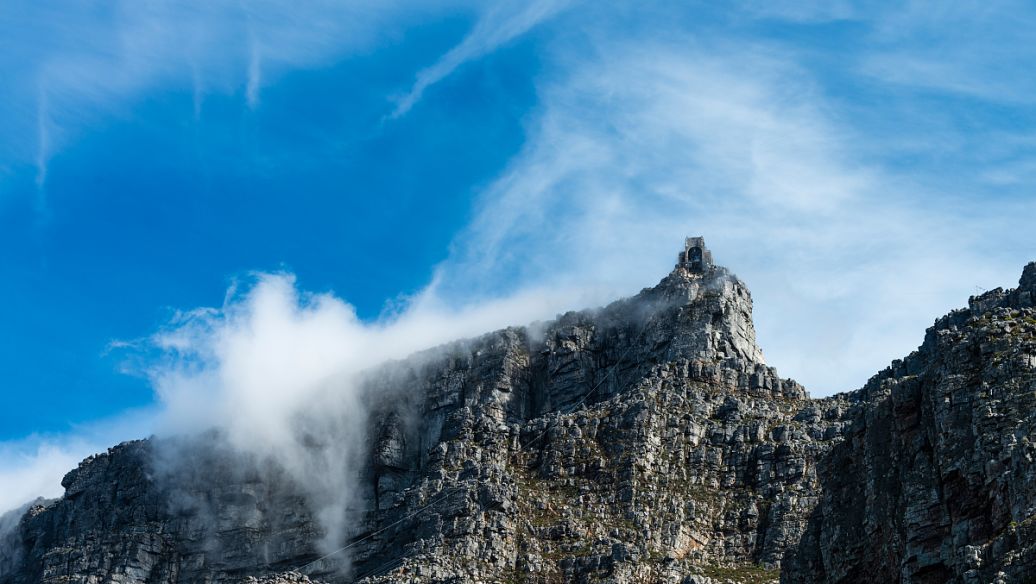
(695, 256)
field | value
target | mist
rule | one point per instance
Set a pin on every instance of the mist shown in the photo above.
(279, 375)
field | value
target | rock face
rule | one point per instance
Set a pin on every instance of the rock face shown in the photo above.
(935, 480)
(646, 441)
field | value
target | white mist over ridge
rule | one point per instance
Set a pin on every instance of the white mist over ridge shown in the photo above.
(271, 348)
(277, 372)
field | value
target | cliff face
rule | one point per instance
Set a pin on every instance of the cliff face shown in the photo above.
(650, 445)
(643, 442)
(936, 481)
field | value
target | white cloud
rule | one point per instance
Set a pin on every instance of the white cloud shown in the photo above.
(255, 74)
(35, 470)
(87, 63)
(277, 370)
(979, 50)
(501, 23)
(34, 466)
(42, 140)
(801, 11)
(67, 65)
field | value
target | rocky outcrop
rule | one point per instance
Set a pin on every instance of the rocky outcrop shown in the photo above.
(935, 481)
(646, 441)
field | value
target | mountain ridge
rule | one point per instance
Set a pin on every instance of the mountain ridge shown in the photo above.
(643, 441)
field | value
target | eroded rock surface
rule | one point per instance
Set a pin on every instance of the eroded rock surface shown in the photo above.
(936, 480)
(646, 441)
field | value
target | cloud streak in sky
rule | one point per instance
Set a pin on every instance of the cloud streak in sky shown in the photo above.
(42, 139)
(68, 65)
(972, 49)
(500, 24)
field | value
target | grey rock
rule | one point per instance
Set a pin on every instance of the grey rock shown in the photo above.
(934, 481)
(646, 441)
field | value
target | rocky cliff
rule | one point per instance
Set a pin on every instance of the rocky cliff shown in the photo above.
(646, 441)
(935, 480)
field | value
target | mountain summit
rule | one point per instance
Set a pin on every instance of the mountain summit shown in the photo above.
(645, 441)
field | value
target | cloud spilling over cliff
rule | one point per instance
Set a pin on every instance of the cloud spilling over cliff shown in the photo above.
(277, 372)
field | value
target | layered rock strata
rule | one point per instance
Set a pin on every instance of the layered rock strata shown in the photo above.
(935, 481)
(646, 441)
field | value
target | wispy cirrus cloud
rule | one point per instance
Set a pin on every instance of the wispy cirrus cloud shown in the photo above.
(971, 49)
(69, 66)
(500, 24)
(643, 143)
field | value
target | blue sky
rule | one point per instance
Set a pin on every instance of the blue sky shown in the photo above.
(863, 167)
